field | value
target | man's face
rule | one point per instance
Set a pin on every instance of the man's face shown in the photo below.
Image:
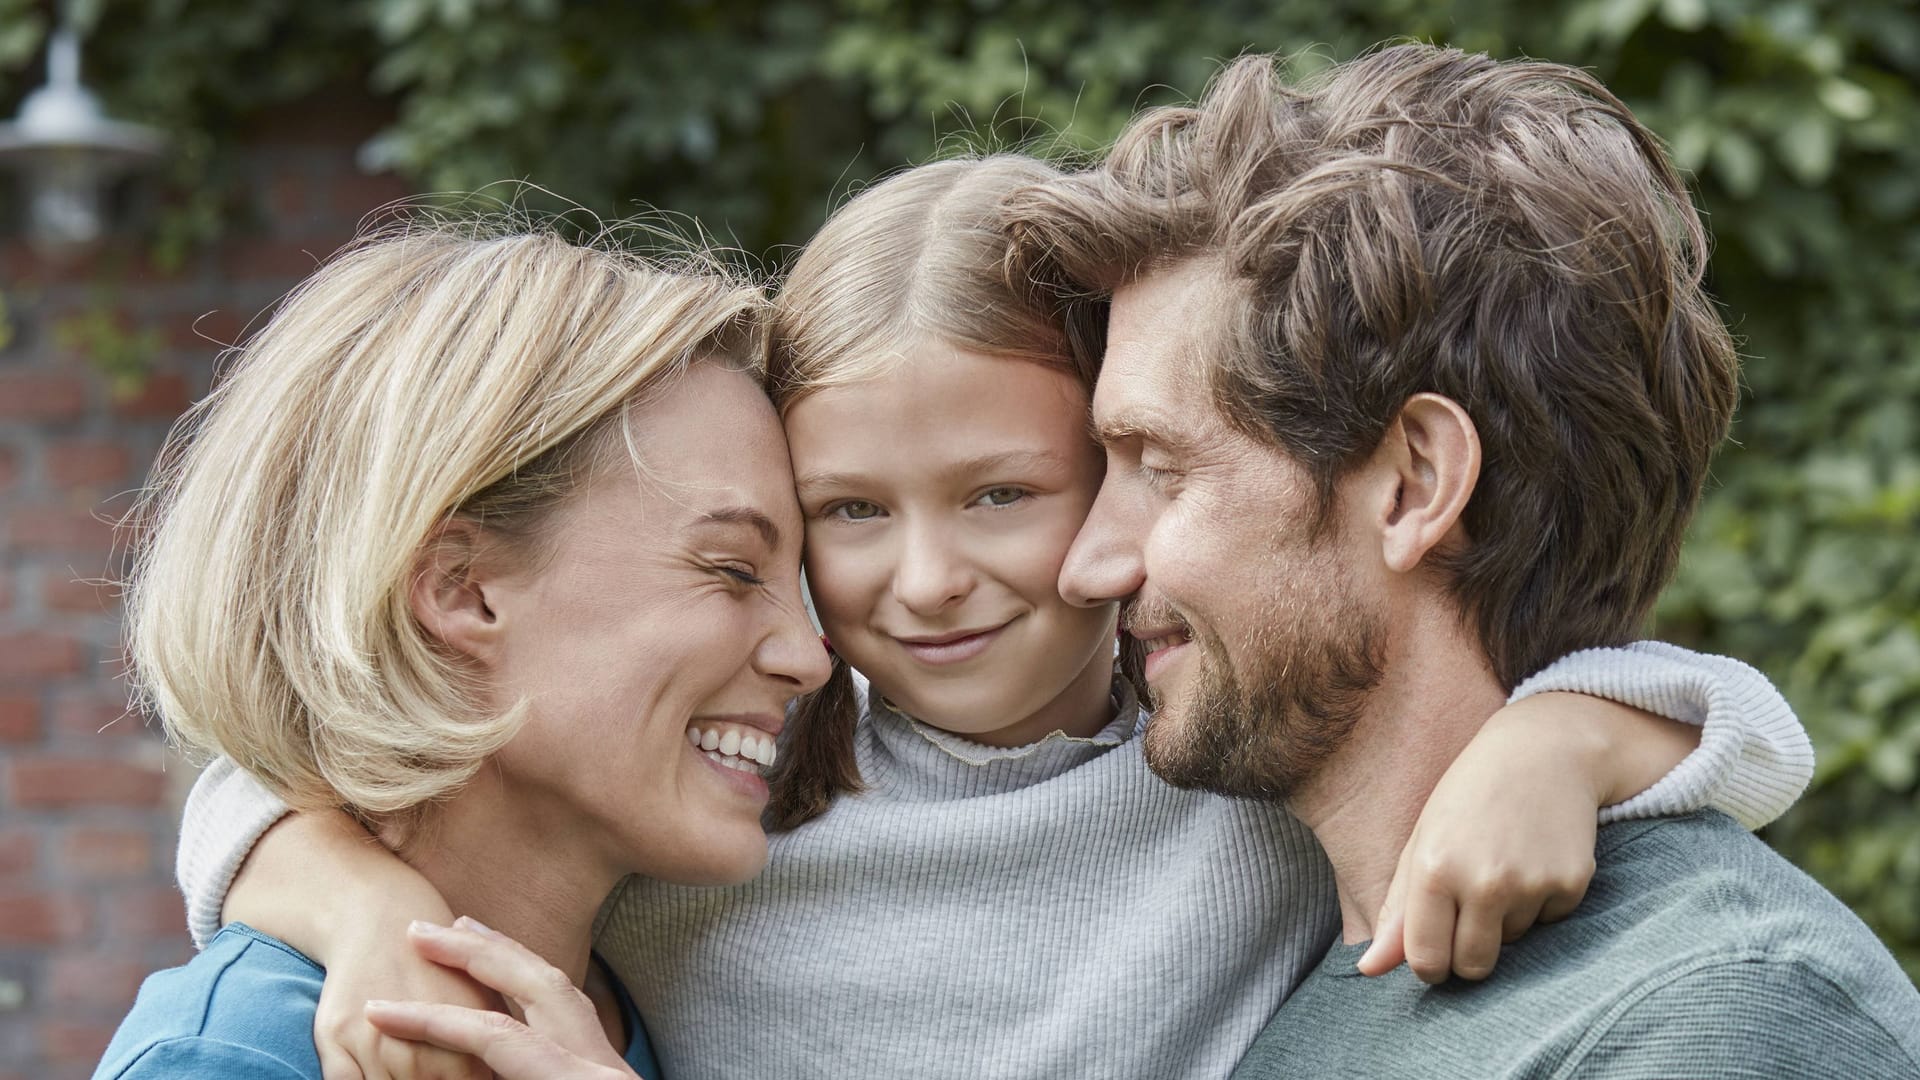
(1262, 646)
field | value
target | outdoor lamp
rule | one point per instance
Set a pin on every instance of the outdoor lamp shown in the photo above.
(67, 151)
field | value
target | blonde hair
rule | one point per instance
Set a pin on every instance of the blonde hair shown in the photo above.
(482, 370)
(918, 258)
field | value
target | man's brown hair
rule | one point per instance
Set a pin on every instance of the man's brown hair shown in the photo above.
(1422, 219)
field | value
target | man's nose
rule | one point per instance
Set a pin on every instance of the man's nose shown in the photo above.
(1104, 563)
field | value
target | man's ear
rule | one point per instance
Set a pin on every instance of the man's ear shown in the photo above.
(449, 592)
(1432, 454)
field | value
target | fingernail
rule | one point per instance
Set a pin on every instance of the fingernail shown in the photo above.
(476, 926)
(421, 926)
(377, 1003)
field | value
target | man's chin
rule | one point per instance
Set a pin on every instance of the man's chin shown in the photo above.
(1191, 764)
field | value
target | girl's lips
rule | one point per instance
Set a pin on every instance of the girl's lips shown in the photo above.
(955, 651)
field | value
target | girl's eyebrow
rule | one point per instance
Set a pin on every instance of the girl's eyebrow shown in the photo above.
(1003, 461)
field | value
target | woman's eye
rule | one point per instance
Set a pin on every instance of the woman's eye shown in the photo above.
(1001, 496)
(743, 575)
(854, 510)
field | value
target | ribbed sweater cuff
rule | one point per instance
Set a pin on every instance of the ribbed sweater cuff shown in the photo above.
(226, 813)
(1754, 758)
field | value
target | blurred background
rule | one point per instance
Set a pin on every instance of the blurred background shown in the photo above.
(268, 128)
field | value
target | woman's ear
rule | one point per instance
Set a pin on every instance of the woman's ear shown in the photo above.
(449, 593)
(1433, 450)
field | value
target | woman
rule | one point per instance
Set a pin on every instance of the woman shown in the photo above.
(470, 535)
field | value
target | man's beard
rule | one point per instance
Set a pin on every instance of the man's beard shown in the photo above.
(1264, 733)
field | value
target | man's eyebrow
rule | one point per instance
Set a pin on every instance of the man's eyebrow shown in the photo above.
(1148, 424)
(747, 516)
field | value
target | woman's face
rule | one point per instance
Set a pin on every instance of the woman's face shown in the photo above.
(940, 500)
(665, 607)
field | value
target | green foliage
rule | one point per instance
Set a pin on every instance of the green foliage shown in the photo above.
(1798, 118)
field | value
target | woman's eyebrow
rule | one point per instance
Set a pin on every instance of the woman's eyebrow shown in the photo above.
(745, 516)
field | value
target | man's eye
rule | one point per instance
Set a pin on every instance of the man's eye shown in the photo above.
(854, 510)
(1001, 496)
(1157, 479)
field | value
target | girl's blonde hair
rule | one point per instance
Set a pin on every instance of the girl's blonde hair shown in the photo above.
(919, 258)
(482, 370)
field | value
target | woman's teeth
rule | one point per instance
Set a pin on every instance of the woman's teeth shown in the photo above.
(745, 752)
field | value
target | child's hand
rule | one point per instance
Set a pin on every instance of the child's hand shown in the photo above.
(370, 957)
(561, 1038)
(1506, 839)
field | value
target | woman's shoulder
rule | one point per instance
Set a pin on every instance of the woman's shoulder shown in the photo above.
(243, 1007)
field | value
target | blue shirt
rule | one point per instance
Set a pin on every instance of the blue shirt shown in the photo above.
(244, 1008)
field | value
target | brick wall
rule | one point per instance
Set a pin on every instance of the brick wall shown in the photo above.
(89, 795)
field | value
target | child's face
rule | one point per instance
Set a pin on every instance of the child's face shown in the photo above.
(940, 500)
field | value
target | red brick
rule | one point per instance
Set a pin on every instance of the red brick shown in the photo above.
(6, 591)
(108, 980)
(19, 718)
(37, 654)
(63, 529)
(69, 781)
(106, 854)
(19, 853)
(92, 714)
(156, 911)
(162, 396)
(80, 462)
(61, 591)
(9, 468)
(71, 1041)
(40, 918)
(42, 395)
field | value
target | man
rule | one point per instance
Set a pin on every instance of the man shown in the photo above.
(1411, 385)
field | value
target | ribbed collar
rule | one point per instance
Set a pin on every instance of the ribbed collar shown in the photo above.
(905, 759)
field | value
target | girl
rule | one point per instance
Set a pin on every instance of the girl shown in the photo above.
(973, 872)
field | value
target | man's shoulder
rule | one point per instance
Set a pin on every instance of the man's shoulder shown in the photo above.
(1694, 938)
(243, 1007)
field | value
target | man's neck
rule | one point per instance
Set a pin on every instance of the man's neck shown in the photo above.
(514, 872)
(1438, 691)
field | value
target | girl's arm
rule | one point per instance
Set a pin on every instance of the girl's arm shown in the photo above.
(320, 883)
(1506, 838)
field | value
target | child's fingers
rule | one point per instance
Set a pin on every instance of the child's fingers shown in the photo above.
(511, 1049)
(337, 1064)
(1476, 941)
(1562, 900)
(1388, 950)
(1430, 920)
(547, 998)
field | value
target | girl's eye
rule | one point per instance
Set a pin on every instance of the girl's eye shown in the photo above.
(854, 510)
(1001, 496)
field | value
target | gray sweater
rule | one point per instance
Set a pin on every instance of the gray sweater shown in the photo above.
(1697, 952)
(1050, 910)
